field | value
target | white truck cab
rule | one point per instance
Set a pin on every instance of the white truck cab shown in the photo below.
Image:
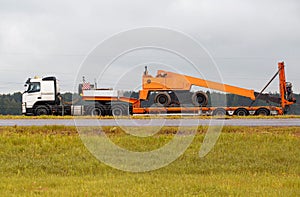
(40, 94)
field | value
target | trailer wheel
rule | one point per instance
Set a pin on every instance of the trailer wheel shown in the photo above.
(119, 110)
(219, 112)
(241, 112)
(200, 98)
(162, 98)
(96, 110)
(262, 112)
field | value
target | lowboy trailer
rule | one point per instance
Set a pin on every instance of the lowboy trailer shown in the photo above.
(167, 92)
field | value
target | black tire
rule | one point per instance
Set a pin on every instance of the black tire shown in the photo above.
(162, 98)
(200, 99)
(41, 111)
(119, 110)
(241, 112)
(96, 110)
(262, 112)
(219, 112)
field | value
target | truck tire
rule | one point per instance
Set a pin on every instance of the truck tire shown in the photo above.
(219, 112)
(162, 98)
(119, 110)
(41, 110)
(262, 112)
(241, 112)
(200, 98)
(96, 110)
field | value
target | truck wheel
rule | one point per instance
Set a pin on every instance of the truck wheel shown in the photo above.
(241, 112)
(96, 110)
(200, 99)
(162, 98)
(41, 110)
(219, 112)
(119, 110)
(262, 112)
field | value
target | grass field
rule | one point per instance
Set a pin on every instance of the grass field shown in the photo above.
(247, 161)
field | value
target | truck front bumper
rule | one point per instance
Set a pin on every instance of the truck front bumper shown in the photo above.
(25, 110)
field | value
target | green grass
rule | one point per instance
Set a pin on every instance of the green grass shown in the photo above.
(247, 161)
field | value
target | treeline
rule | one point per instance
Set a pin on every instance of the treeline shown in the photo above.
(11, 104)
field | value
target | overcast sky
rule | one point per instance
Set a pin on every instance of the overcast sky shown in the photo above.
(245, 38)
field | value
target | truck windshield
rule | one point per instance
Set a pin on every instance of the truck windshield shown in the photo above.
(33, 87)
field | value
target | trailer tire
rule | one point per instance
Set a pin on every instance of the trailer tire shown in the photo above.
(262, 112)
(200, 98)
(162, 98)
(219, 112)
(96, 110)
(119, 110)
(241, 112)
(41, 110)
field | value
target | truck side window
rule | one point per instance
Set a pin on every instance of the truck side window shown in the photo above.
(34, 87)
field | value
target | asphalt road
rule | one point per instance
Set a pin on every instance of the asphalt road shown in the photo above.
(150, 122)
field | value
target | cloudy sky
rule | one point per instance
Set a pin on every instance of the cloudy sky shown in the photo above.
(245, 38)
